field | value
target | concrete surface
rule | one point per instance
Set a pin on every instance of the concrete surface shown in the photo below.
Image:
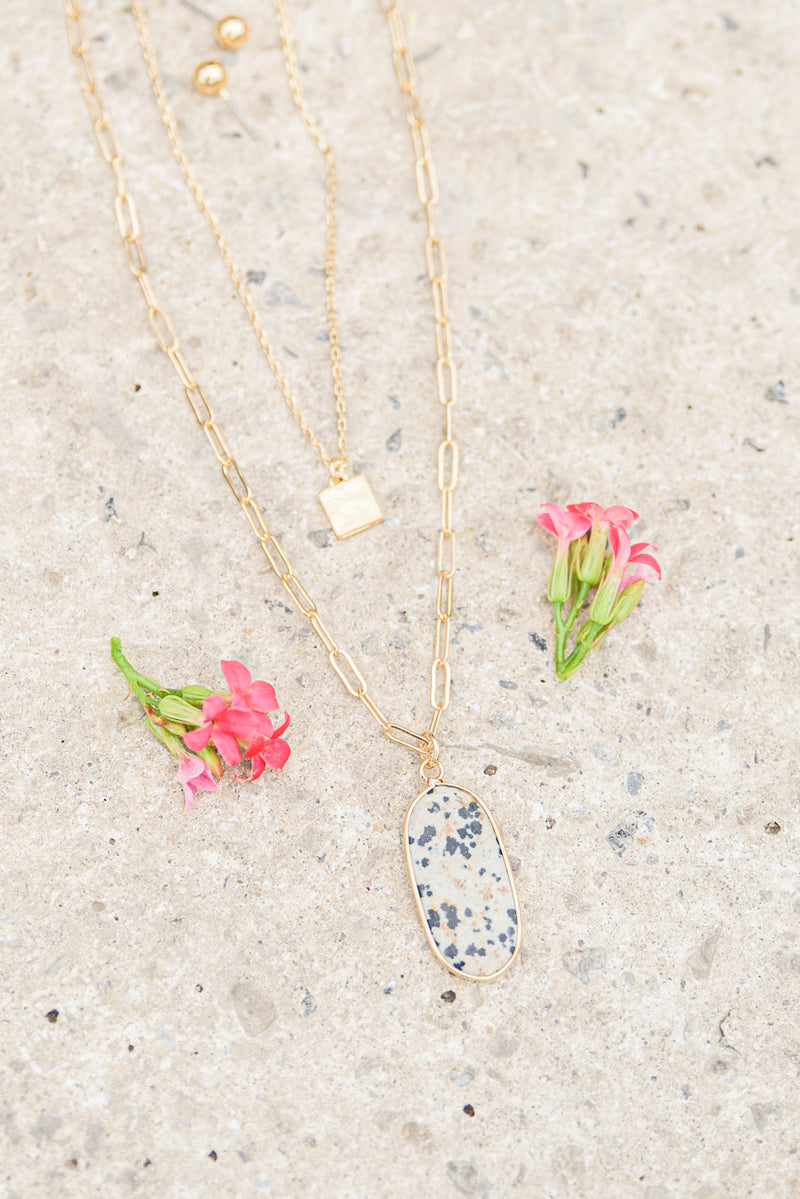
(246, 1003)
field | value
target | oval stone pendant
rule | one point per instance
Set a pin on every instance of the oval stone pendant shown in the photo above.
(462, 882)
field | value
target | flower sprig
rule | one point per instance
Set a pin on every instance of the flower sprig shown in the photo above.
(216, 727)
(593, 550)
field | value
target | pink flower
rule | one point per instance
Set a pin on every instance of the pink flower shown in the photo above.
(589, 564)
(640, 573)
(245, 694)
(226, 727)
(615, 515)
(567, 526)
(620, 575)
(194, 775)
(267, 749)
(624, 554)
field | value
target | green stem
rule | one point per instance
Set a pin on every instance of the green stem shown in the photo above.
(148, 692)
(573, 661)
(577, 604)
(137, 682)
(590, 635)
(166, 738)
(561, 635)
(564, 627)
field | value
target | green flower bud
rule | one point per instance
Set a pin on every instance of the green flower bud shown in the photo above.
(627, 601)
(211, 758)
(166, 738)
(559, 586)
(195, 694)
(172, 707)
(605, 598)
(172, 726)
(590, 565)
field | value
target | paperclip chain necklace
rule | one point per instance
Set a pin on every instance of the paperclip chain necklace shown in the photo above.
(462, 882)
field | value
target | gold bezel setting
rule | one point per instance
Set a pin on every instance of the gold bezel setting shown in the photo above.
(418, 899)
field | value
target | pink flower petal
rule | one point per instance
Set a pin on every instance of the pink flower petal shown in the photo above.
(620, 546)
(636, 575)
(276, 754)
(255, 747)
(282, 727)
(206, 781)
(256, 770)
(228, 747)
(585, 509)
(198, 738)
(648, 560)
(566, 525)
(237, 676)
(617, 515)
(240, 722)
(213, 707)
(194, 775)
(546, 521)
(261, 697)
(263, 726)
(188, 768)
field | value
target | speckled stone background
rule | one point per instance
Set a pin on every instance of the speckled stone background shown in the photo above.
(246, 1002)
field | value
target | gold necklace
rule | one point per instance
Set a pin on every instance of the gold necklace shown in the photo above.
(458, 866)
(348, 501)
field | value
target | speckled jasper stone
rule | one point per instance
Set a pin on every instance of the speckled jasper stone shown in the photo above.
(463, 880)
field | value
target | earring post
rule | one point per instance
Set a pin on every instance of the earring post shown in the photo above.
(240, 117)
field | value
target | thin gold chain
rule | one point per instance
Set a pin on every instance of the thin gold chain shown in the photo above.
(447, 457)
(338, 465)
(334, 346)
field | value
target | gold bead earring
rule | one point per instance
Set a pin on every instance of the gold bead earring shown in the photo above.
(230, 32)
(210, 78)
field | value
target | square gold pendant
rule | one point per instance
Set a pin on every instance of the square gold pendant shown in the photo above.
(350, 506)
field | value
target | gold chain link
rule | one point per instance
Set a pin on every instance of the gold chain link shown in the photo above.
(447, 459)
(423, 744)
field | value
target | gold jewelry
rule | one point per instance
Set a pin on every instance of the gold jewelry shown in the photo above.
(229, 32)
(459, 870)
(348, 501)
(210, 78)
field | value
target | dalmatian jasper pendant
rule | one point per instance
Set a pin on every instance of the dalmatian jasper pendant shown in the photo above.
(462, 882)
